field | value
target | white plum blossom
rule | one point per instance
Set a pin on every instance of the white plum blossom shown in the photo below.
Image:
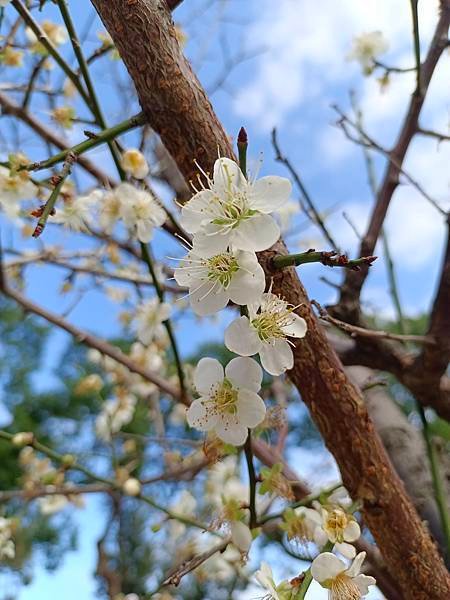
(339, 526)
(265, 331)
(366, 47)
(132, 487)
(235, 212)
(7, 548)
(116, 413)
(51, 504)
(134, 163)
(241, 536)
(57, 35)
(342, 582)
(215, 280)
(149, 318)
(282, 591)
(228, 403)
(14, 187)
(110, 211)
(76, 214)
(141, 213)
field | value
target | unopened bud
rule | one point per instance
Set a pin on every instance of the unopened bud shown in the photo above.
(132, 487)
(23, 438)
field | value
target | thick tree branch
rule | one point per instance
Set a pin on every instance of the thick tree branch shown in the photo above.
(178, 110)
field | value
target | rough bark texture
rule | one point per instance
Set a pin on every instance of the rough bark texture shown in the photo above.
(179, 111)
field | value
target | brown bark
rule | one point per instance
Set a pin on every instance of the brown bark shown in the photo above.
(179, 111)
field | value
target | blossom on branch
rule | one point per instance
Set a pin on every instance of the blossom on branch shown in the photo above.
(235, 212)
(265, 331)
(149, 318)
(366, 47)
(7, 548)
(140, 211)
(215, 280)
(229, 404)
(342, 582)
(283, 591)
(76, 214)
(134, 163)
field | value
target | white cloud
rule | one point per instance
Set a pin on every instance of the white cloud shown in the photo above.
(307, 45)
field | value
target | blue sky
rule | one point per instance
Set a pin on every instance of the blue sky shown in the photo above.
(298, 72)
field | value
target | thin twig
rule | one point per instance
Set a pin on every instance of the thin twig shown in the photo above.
(355, 331)
(252, 480)
(310, 209)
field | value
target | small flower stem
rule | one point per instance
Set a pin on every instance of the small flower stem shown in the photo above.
(252, 480)
(146, 257)
(104, 136)
(94, 104)
(329, 259)
(304, 502)
(307, 580)
(416, 37)
(242, 146)
(43, 39)
(50, 204)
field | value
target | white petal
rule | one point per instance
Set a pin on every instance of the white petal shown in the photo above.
(297, 328)
(311, 515)
(241, 338)
(276, 357)
(199, 417)
(356, 565)
(256, 233)
(208, 373)
(241, 536)
(249, 282)
(227, 174)
(363, 582)
(346, 550)
(352, 532)
(270, 193)
(194, 213)
(185, 275)
(244, 373)
(251, 409)
(208, 241)
(320, 537)
(208, 299)
(230, 431)
(144, 230)
(326, 566)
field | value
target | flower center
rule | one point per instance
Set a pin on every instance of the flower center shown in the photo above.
(274, 316)
(225, 397)
(221, 268)
(344, 588)
(336, 523)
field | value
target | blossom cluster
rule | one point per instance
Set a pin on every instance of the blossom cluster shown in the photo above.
(132, 204)
(329, 524)
(230, 220)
